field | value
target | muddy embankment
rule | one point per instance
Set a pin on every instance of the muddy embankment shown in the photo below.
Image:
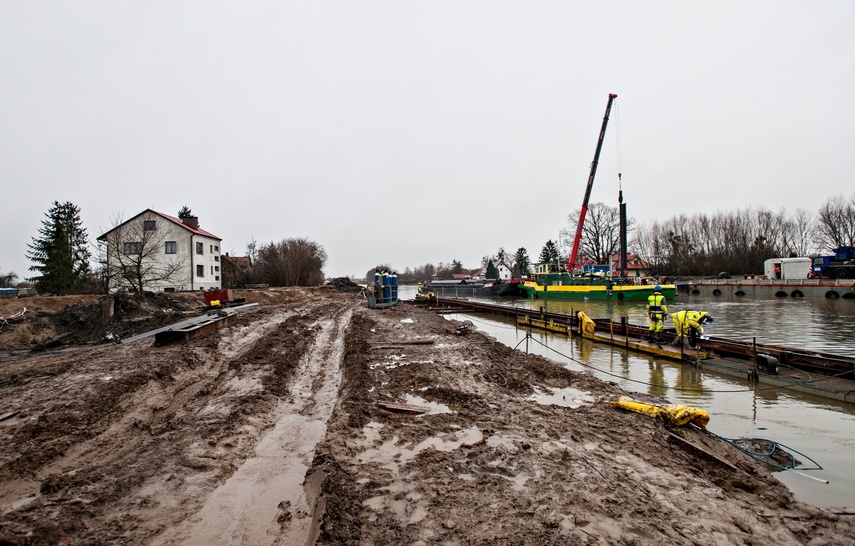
(276, 430)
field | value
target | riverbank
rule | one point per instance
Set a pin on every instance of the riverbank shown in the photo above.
(283, 427)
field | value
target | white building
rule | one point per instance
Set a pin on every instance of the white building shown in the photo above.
(504, 272)
(157, 252)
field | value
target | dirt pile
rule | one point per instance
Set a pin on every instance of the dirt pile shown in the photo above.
(296, 423)
(344, 284)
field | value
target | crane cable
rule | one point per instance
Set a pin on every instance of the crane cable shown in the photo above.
(617, 143)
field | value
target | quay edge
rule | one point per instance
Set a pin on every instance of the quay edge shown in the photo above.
(769, 288)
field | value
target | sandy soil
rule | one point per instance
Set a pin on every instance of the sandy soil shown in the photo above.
(274, 430)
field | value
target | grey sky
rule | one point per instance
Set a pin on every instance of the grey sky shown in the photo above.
(415, 132)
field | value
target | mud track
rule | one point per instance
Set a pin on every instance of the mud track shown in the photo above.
(275, 430)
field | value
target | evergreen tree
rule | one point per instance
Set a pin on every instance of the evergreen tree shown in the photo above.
(492, 272)
(185, 212)
(522, 262)
(59, 253)
(549, 253)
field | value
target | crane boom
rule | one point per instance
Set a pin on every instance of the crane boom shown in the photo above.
(574, 254)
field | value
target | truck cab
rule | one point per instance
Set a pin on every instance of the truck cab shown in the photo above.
(839, 266)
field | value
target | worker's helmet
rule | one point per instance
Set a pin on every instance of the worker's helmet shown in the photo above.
(706, 319)
(657, 288)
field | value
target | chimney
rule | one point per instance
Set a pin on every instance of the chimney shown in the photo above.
(192, 221)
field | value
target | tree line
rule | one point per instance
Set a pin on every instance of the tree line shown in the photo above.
(702, 244)
(737, 242)
(741, 241)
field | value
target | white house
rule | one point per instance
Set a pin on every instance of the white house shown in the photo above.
(157, 252)
(504, 272)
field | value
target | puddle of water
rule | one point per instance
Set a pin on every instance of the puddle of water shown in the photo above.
(435, 407)
(372, 432)
(412, 508)
(498, 440)
(244, 385)
(569, 397)
(391, 362)
(392, 456)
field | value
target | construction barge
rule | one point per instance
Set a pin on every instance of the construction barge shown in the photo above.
(756, 287)
(813, 372)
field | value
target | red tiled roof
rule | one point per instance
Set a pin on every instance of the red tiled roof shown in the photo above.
(178, 221)
(172, 219)
(241, 261)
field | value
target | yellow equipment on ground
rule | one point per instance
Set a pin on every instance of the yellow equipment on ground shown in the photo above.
(671, 414)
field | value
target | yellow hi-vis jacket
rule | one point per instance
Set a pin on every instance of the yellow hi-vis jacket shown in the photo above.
(656, 305)
(683, 320)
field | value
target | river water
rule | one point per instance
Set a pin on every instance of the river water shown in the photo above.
(819, 428)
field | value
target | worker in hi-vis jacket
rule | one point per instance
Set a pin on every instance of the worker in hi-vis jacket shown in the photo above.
(690, 324)
(656, 311)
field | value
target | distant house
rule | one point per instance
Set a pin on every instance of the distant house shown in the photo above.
(157, 252)
(446, 273)
(504, 272)
(236, 270)
(635, 266)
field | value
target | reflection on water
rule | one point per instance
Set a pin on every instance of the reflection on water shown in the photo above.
(821, 429)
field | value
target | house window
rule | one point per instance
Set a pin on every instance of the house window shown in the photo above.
(216, 268)
(216, 258)
(132, 248)
(129, 272)
(217, 248)
(212, 270)
(171, 247)
(200, 270)
(217, 278)
(149, 225)
(212, 249)
(200, 248)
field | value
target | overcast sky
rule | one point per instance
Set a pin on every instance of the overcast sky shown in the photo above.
(406, 132)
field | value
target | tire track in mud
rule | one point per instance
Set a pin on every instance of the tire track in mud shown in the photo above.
(166, 425)
(263, 502)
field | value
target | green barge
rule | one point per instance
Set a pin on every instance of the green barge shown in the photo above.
(551, 281)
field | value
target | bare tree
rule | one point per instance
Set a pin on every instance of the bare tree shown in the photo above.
(836, 222)
(737, 241)
(799, 235)
(136, 256)
(7, 279)
(600, 234)
(291, 262)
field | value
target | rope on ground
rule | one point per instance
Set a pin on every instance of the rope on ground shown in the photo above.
(19, 314)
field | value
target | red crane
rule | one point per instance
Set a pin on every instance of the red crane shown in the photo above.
(573, 255)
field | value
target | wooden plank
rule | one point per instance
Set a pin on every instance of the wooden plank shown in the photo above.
(403, 408)
(9, 415)
(193, 332)
(398, 343)
(702, 451)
